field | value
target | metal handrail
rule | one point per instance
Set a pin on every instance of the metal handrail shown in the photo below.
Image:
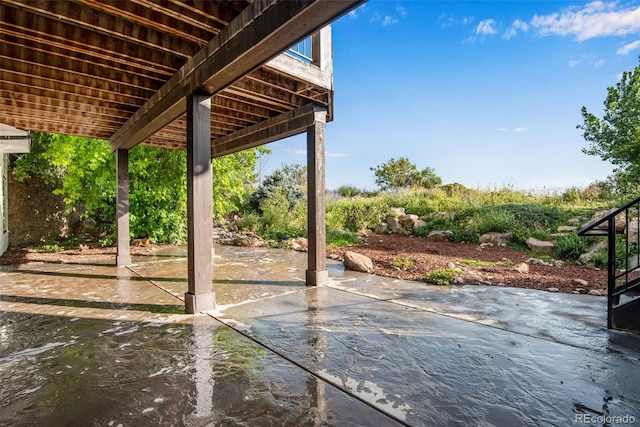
(629, 282)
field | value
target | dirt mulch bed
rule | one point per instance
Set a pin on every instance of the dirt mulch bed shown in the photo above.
(427, 255)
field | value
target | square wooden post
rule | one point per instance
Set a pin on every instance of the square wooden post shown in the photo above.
(200, 296)
(123, 255)
(316, 273)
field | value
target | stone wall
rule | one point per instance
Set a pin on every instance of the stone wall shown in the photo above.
(35, 214)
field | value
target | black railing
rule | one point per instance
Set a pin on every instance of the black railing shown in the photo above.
(623, 266)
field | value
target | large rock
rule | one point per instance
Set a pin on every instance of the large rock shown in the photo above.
(397, 212)
(620, 220)
(444, 215)
(440, 235)
(418, 225)
(394, 225)
(539, 245)
(381, 228)
(358, 262)
(407, 221)
(300, 244)
(632, 231)
(249, 241)
(495, 238)
(567, 228)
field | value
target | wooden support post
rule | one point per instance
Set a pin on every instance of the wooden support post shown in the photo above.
(316, 273)
(123, 255)
(200, 296)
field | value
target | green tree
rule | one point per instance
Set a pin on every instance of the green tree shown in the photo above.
(288, 181)
(85, 170)
(402, 173)
(616, 136)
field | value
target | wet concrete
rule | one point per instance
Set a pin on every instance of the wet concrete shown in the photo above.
(97, 345)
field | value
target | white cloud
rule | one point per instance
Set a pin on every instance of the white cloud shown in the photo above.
(353, 14)
(486, 27)
(296, 151)
(447, 20)
(517, 26)
(596, 19)
(587, 59)
(401, 10)
(336, 155)
(627, 48)
(388, 20)
(517, 130)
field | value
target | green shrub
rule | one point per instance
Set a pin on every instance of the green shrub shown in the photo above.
(277, 183)
(477, 263)
(569, 246)
(248, 222)
(403, 263)
(357, 214)
(442, 277)
(498, 220)
(342, 238)
(600, 258)
(348, 191)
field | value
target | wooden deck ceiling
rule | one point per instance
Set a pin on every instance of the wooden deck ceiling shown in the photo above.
(85, 67)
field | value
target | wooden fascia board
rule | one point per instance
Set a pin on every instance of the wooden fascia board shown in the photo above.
(279, 127)
(294, 67)
(262, 31)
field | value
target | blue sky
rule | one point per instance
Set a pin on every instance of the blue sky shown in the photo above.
(488, 94)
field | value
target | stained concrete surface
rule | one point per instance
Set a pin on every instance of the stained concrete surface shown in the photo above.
(99, 345)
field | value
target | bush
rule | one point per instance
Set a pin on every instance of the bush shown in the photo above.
(500, 221)
(570, 247)
(442, 277)
(280, 183)
(348, 191)
(403, 263)
(342, 238)
(248, 222)
(356, 215)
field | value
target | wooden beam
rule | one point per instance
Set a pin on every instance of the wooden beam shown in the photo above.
(262, 31)
(123, 256)
(316, 273)
(86, 19)
(199, 296)
(288, 124)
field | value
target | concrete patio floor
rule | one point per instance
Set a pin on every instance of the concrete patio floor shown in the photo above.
(91, 344)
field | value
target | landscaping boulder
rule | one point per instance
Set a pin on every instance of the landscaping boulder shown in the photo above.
(495, 238)
(418, 225)
(440, 235)
(632, 230)
(248, 241)
(300, 244)
(394, 225)
(407, 221)
(358, 262)
(567, 228)
(381, 228)
(539, 245)
(523, 267)
(397, 212)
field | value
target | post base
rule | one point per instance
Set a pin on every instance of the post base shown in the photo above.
(317, 277)
(198, 303)
(123, 260)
